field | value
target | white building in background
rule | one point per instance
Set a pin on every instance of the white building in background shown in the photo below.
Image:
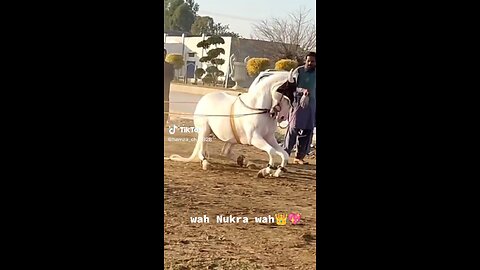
(187, 46)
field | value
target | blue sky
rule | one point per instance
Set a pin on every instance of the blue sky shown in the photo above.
(240, 15)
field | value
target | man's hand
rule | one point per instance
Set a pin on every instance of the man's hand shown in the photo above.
(302, 90)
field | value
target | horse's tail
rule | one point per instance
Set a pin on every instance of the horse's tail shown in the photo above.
(192, 156)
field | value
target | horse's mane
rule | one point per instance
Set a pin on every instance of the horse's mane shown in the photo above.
(261, 92)
(268, 80)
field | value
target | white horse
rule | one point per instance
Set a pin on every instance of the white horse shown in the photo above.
(245, 119)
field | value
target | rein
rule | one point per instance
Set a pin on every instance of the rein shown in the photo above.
(256, 109)
(261, 111)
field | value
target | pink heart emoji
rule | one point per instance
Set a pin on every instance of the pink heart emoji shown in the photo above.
(294, 218)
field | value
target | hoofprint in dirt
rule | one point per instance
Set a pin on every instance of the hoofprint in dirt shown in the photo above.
(227, 189)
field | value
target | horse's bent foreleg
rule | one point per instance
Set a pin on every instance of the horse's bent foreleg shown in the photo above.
(262, 144)
(282, 153)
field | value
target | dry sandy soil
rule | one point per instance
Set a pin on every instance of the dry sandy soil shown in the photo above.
(227, 189)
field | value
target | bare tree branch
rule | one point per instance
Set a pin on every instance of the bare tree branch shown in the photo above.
(292, 36)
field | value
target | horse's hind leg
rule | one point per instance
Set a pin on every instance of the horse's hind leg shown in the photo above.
(226, 149)
(228, 152)
(203, 134)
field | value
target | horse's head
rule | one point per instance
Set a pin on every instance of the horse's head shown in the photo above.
(281, 107)
(281, 85)
(288, 87)
(282, 94)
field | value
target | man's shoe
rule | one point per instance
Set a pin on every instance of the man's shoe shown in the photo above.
(300, 161)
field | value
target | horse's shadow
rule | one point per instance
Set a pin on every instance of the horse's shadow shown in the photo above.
(234, 168)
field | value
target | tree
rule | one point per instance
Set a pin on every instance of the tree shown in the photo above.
(179, 14)
(212, 57)
(202, 25)
(193, 6)
(292, 38)
(206, 25)
(222, 30)
(182, 18)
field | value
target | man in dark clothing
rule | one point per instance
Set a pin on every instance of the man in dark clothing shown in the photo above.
(168, 73)
(302, 115)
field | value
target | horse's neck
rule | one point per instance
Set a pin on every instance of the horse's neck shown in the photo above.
(257, 99)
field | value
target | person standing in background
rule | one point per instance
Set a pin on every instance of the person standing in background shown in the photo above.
(302, 116)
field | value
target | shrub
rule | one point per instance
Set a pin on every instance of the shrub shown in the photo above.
(208, 79)
(218, 61)
(175, 59)
(212, 69)
(286, 64)
(257, 65)
(199, 72)
(215, 39)
(215, 52)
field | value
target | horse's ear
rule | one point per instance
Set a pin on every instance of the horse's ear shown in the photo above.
(292, 76)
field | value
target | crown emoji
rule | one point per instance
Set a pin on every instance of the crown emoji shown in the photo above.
(281, 219)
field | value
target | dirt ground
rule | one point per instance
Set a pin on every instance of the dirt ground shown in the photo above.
(227, 189)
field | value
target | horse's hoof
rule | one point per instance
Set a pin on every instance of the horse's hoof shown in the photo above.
(205, 165)
(260, 174)
(251, 165)
(240, 160)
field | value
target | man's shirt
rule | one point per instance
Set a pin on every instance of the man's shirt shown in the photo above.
(304, 118)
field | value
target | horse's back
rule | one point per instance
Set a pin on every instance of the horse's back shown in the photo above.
(214, 103)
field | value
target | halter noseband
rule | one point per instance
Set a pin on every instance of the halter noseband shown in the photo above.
(276, 109)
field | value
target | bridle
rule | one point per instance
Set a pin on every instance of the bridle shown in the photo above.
(276, 109)
(273, 111)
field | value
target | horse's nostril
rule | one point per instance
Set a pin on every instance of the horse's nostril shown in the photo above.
(283, 117)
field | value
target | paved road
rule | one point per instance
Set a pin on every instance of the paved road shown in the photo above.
(182, 93)
(183, 107)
